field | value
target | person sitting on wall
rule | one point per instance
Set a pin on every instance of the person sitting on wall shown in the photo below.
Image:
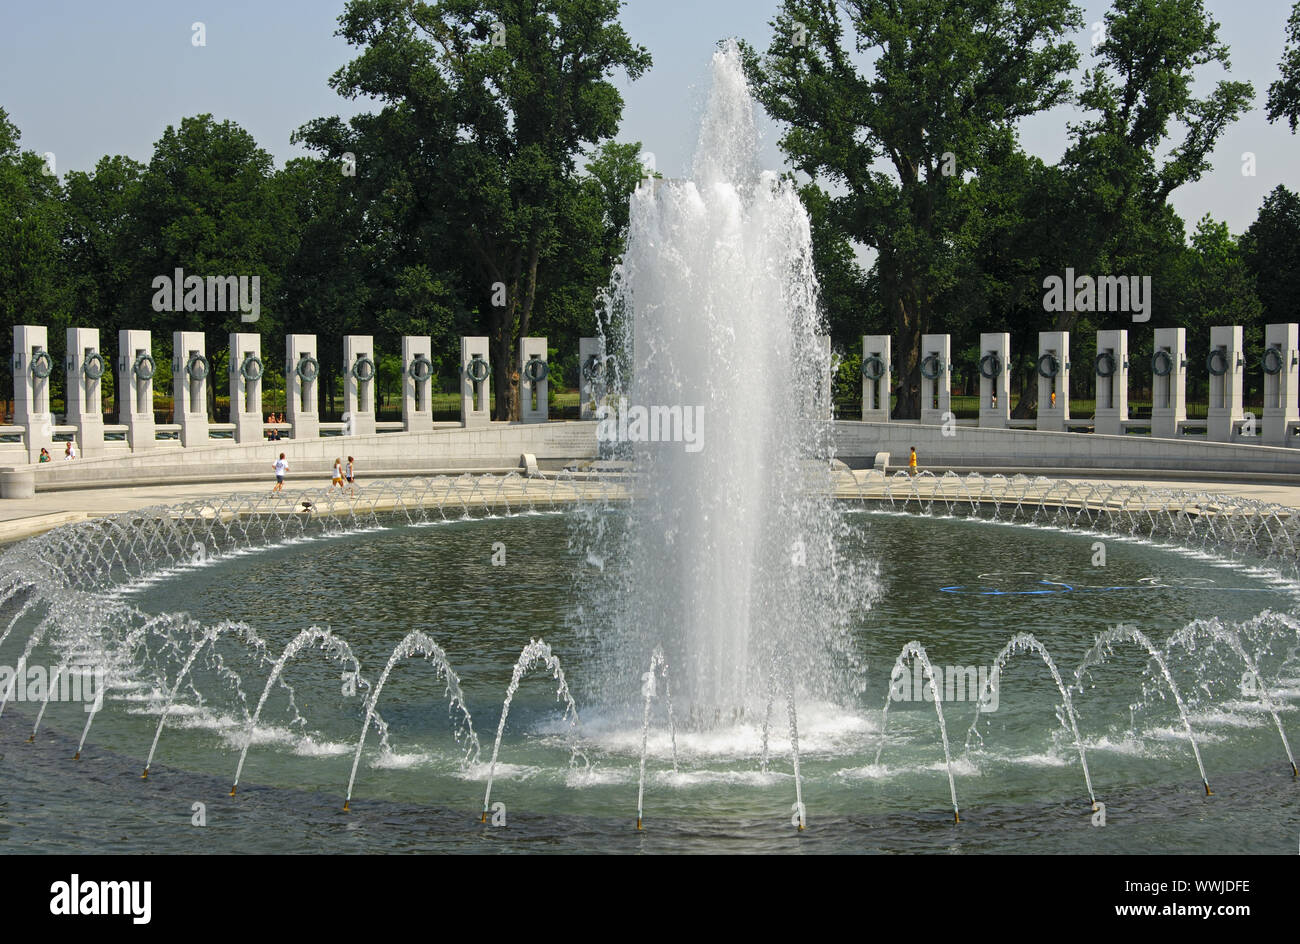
(69, 452)
(45, 455)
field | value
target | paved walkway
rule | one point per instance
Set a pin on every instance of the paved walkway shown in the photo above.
(20, 518)
(872, 486)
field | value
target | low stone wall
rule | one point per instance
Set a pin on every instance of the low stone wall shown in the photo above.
(501, 445)
(976, 448)
(497, 445)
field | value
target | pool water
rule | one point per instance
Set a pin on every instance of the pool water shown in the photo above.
(484, 588)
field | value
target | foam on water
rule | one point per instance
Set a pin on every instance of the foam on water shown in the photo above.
(824, 729)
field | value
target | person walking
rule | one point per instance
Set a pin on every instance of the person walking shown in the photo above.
(911, 462)
(349, 475)
(281, 470)
(338, 475)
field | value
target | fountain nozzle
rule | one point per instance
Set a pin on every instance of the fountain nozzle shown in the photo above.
(638, 824)
(1208, 791)
(956, 817)
(1294, 772)
(347, 806)
(77, 756)
(233, 789)
(484, 819)
(145, 775)
(31, 739)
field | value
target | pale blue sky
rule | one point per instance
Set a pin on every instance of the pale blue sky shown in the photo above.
(82, 79)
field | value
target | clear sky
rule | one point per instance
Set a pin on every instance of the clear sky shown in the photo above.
(82, 79)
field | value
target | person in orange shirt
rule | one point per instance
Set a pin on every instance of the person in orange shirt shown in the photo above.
(911, 462)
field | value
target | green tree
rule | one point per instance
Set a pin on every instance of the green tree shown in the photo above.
(1271, 249)
(612, 174)
(847, 298)
(1284, 93)
(100, 244)
(33, 286)
(1124, 160)
(1219, 289)
(325, 279)
(591, 234)
(206, 206)
(484, 117)
(945, 83)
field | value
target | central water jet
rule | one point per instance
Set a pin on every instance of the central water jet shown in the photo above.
(730, 558)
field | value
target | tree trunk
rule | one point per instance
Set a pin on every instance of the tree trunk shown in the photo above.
(907, 328)
(1027, 405)
(502, 369)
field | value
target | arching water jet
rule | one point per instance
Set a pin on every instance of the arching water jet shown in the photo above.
(536, 651)
(418, 643)
(335, 646)
(917, 651)
(1026, 642)
(1217, 631)
(1104, 644)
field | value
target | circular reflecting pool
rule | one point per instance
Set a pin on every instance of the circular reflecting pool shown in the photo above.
(871, 779)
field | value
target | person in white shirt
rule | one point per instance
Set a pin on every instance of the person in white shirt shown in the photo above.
(70, 452)
(281, 469)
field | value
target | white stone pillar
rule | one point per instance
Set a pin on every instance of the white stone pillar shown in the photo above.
(135, 370)
(533, 380)
(301, 375)
(1225, 365)
(417, 384)
(1053, 370)
(33, 366)
(1111, 373)
(475, 382)
(360, 376)
(1281, 368)
(1168, 382)
(591, 375)
(246, 371)
(877, 371)
(82, 392)
(995, 379)
(190, 368)
(936, 390)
